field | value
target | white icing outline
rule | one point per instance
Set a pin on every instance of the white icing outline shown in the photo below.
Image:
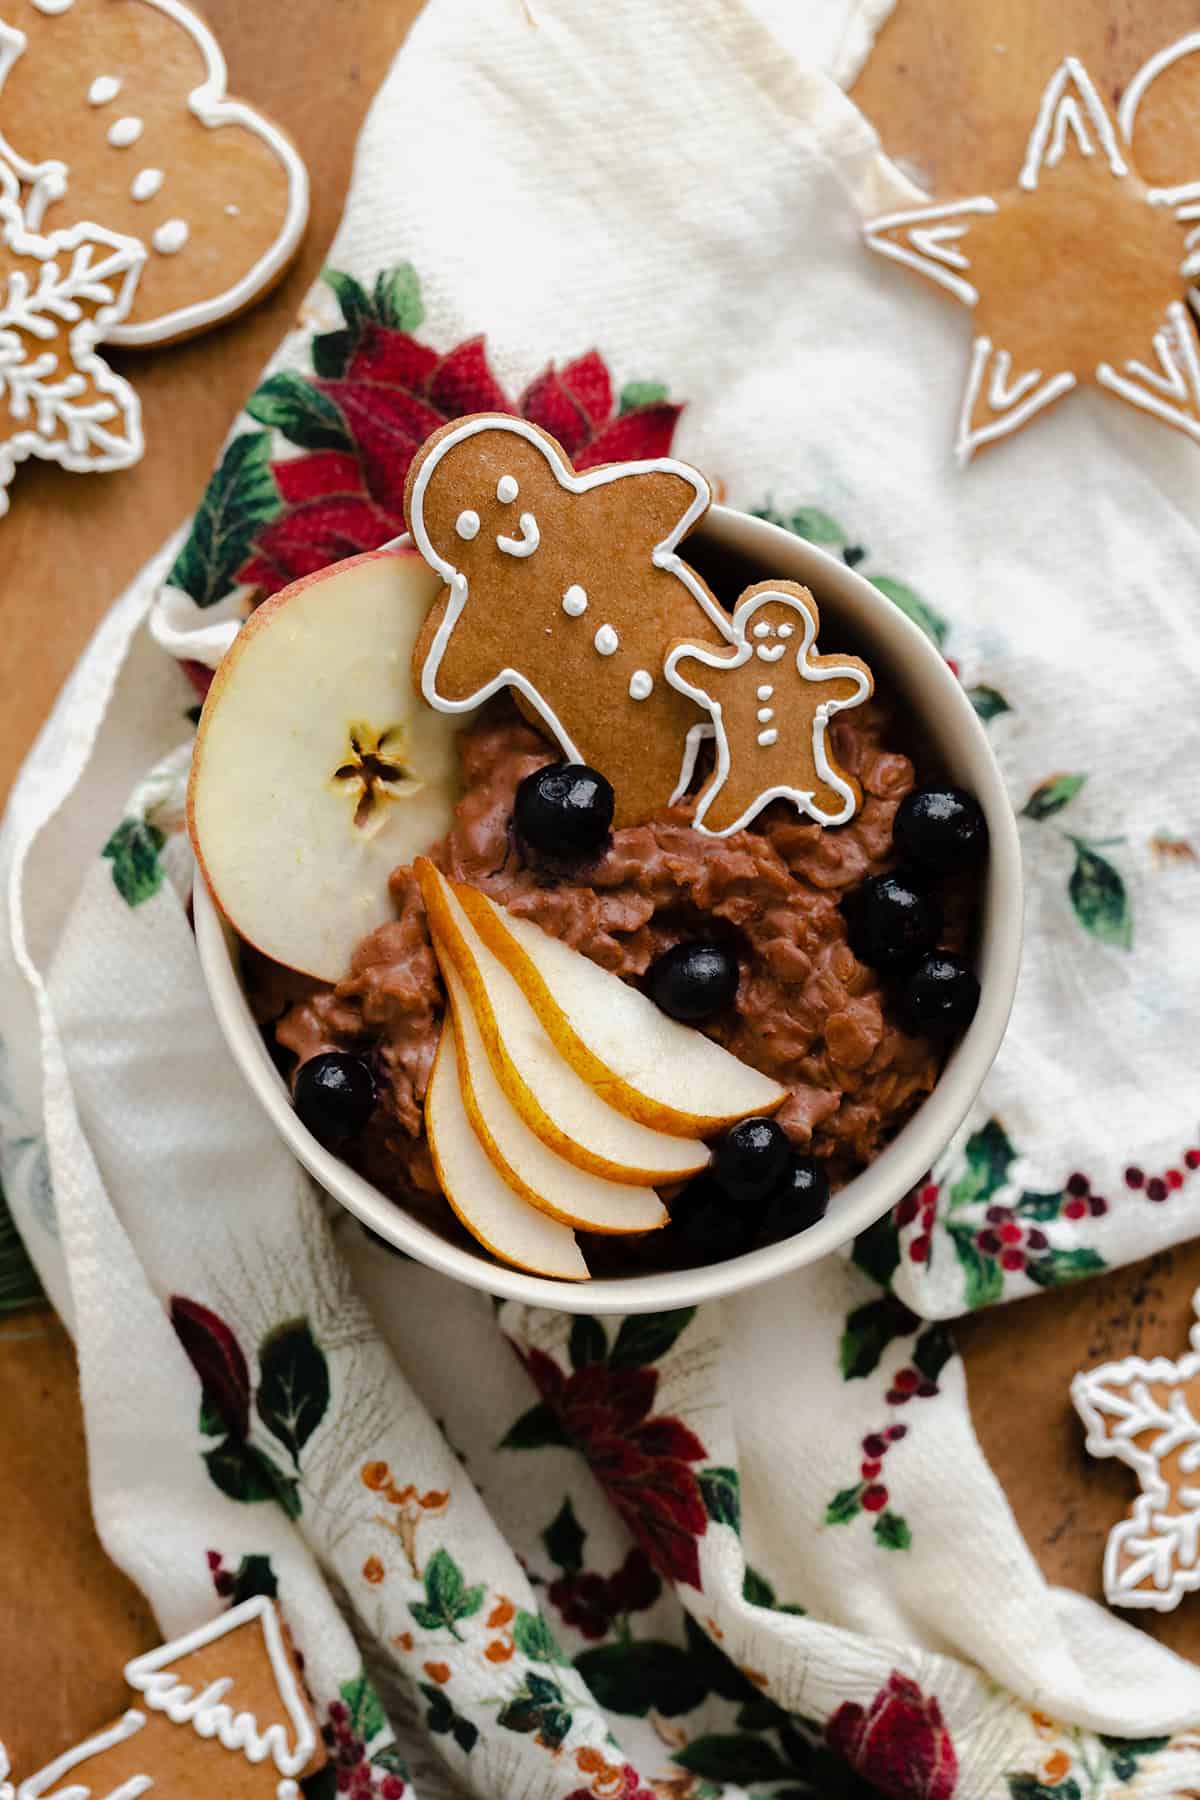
(1141, 1531)
(915, 223)
(34, 1786)
(528, 541)
(663, 556)
(968, 441)
(206, 1712)
(210, 104)
(802, 798)
(1132, 98)
(1054, 97)
(117, 275)
(1182, 382)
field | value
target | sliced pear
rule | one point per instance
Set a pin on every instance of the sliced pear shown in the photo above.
(557, 1104)
(648, 1066)
(317, 769)
(558, 1188)
(503, 1223)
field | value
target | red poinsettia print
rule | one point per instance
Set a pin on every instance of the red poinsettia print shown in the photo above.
(392, 393)
(642, 1462)
(899, 1743)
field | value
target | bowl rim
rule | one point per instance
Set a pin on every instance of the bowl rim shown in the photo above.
(864, 1199)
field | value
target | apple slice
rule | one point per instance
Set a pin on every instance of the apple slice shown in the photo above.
(648, 1066)
(555, 1102)
(558, 1188)
(504, 1223)
(317, 769)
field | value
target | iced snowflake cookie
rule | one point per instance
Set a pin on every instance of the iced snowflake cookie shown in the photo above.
(115, 111)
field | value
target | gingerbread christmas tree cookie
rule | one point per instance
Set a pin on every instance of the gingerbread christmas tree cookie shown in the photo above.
(1076, 274)
(770, 698)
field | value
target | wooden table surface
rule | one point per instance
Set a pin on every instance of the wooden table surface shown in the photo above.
(71, 1619)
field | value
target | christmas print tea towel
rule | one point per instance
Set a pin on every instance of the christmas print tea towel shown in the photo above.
(753, 1549)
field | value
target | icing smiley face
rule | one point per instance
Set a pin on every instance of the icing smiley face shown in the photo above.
(771, 698)
(566, 589)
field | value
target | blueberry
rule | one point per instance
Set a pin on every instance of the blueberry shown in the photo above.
(693, 981)
(891, 920)
(798, 1201)
(750, 1159)
(564, 810)
(940, 996)
(708, 1225)
(940, 828)
(334, 1095)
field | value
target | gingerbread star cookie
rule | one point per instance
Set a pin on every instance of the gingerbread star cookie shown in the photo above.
(1075, 275)
(567, 589)
(221, 1711)
(116, 111)
(770, 698)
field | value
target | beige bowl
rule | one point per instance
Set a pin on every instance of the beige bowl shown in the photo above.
(732, 550)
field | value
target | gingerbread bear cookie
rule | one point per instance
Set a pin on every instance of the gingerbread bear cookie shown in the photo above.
(221, 1711)
(568, 590)
(771, 698)
(115, 111)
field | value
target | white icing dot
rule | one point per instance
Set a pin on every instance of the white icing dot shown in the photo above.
(574, 601)
(765, 714)
(103, 89)
(765, 692)
(606, 641)
(170, 237)
(52, 7)
(767, 737)
(232, 211)
(762, 629)
(786, 630)
(146, 183)
(507, 489)
(126, 131)
(641, 684)
(467, 525)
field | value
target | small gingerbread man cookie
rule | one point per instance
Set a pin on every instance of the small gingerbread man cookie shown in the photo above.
(771, 702)
(567, 589)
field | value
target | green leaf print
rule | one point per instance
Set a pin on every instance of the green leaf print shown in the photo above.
(390, 1758)
(447, 1597)
(19, 1284)
(877, 1250)
(913, 607)
(845, 1505)
(293, 1392)
(989, 1156)
(133, 851)
(1126, 1753)
(722, 1495)
(646, 1338)
(1051, 795)
(1059, 1266)
(988, 702)
(735, 1757)
(367, 1717)
(212, 1420)
(535, 1430)
(351, 296)
(564, 1539)
(807, 522)
(244, 1473)
(442, 1719)
(892, 1533)
(634, 1677)
(983, 1278)
(534, 1638)
(1041, 1207)
(299, 410)
(1028, 1787)
(331, 351)
(1099, 898)
(641, 393)
(932, 1351)
(538, 1706)
(588, 1343)
(397, 298)
(253, 1576)
(869, 1330)
(240, 498)
(759, 1592)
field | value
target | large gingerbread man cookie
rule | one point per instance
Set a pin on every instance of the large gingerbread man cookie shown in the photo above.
(115, 111)
(568, 590)
(771, 698)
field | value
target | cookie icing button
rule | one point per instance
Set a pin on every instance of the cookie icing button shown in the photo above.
(170, 237)
(574, 601)
(146, 184)
(765, 692)
(529, 539)
(606, 641)
(126, 131)
(467, 525)
(765, 714)
(766, 738)
(641, 684)
(103, 89)
(507, 489)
